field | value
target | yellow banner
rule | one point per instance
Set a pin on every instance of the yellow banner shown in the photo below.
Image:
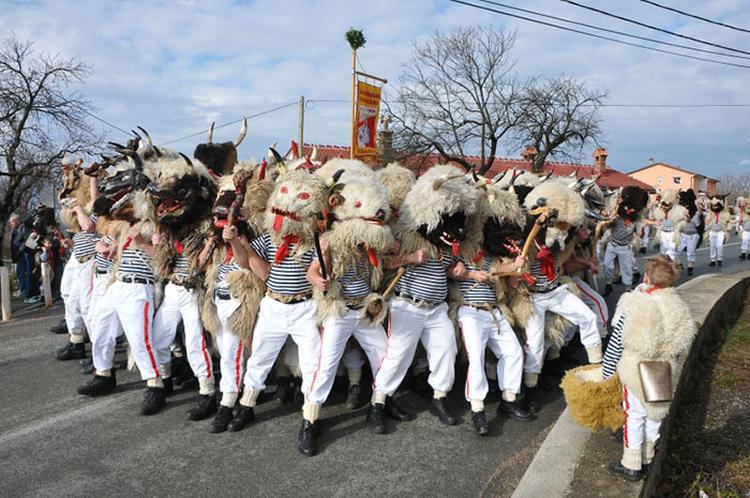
(366, 120)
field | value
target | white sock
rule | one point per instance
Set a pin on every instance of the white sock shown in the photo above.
(509, 395)
(155, 382)
(378, 397)
(355, 375)
(77, 338)
(631, 458)
(530, 379)
(249, 397)
(228, 399)
(165, 369)
(310, 411)
(477, 405)
(439, 394)
(103, 373)
(594, 353)
(206, 386)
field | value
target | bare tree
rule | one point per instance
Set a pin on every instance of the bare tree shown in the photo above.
(559, 117)
(734, 186)
(41, 120)
(457, 96)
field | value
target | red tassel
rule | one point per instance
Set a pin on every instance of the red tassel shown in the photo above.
(478, 257)
(547, 260)
(230, 254)
(456, 249)
(373, 257)
(283, 249)
(178, 247)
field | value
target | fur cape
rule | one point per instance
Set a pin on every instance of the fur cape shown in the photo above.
(725, 218)
(658, 327)
(351, 167)
(76, 191)
(398, 180)
(593, 402)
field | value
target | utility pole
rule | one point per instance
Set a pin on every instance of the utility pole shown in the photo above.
(302, 126)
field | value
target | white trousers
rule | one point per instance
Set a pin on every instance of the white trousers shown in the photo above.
(231, 362)
(481, 329)
(691, 243)
(745, 245)
(276, 322)
(181, 304)
(596, 303)
(638, 428)
(624, 254)
(408, 325)
(334, 334)
(646, 232)
(97, 294)
(567, 305)
(128, 306)
(667, 245)
(75, 289)
(716, 241)
(353, 357)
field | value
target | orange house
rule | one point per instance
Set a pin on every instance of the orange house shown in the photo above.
(664, 176)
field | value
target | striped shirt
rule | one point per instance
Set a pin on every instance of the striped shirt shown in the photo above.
(691, 227)
(222, 283)
(714, 220)
(287, 277)
(542, 284)
(614, 349)
(180, 267)
(474, 292)
(84, 243)
(427, 281)
(135, 262)
(622, 233)
(102, 263)
(355, 282)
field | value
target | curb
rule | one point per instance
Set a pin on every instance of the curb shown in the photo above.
(715, 300)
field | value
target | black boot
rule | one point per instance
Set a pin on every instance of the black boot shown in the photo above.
(283, 391)
(420, 386)
(439, 409)
(642, 250)
(71, 352)
(352, 397)
(245, 415)
(395, 412)
(306, 438)
(168, 386)
(619, 469)
(636, 278)
(222, 419)
(60, 328)
(719, 263)
(479, 420)
(375, 418)
(743, 256)
(98, 385)
(712, 263)
(514, 410)
(607, 290)
(690, 271)
(203, 408)
(153, 401)
(87, 366)
(529, 400)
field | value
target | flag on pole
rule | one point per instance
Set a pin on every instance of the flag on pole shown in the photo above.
(366, 120)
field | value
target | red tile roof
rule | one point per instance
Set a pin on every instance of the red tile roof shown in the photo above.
(610, 178)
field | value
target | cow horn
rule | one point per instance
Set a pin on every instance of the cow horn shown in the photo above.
(314, 155)
(440, 181)
(500, 176)
(548, 175)
(211, 132)
(278, 160)
(135, 157)
(516, 174)
(337, 176)
(116, 146)
(136, 134)
(150, 142)
(187, 159)
(243, 132)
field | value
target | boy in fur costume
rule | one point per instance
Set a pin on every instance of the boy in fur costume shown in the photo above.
(76, 199)
(281, 258)
(691, 233)
(669, 217)
(651, 323)
(233, 294)
(548, 293)
(431, 225)
(347, 305)
(718, 228)
(743, 223)
(481, 322)
(181, 193)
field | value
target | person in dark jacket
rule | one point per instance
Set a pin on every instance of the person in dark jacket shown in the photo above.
(17, 239)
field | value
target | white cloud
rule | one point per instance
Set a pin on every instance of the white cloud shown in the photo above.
(174, 67)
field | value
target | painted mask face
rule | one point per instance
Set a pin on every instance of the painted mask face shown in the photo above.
(449, 233)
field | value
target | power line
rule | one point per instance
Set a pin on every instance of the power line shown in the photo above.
(593, 35)
(251, 116)
(695, 16)
(342, 101)
(614, 31)
(102, 120)
(656, 28)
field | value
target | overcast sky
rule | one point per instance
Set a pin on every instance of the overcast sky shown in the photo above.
(173, 67)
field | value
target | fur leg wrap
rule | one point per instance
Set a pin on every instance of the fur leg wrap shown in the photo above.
(530, 379)
(378, 397)
(165, 369)
(649, 450)
(509, 396)
(439, 394)
(103, 373)
(77, 337)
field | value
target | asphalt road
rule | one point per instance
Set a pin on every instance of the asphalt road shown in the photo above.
(54, 442)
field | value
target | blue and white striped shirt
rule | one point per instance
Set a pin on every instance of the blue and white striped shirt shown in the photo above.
(225, 269)
(137, 263)
(355, 282)
(289, 276)
(474, 292)
(84, 243)
(427, 281)
(543, 284)
(103, 264)
(180, 267)
(614, 349)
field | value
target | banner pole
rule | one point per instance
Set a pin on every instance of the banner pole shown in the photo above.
(354, 90)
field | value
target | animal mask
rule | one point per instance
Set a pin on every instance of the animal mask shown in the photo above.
(220, 158)
(569, 205)
(633, 200)
(295, 206)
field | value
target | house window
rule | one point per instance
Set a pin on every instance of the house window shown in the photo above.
(659, 180)
(676, 180)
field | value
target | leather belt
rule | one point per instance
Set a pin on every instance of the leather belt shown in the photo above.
(419, 303)
(84, 259)
(544, 291)
(132, 279)
(489, 307)
(287, 298)
(102, 272)
(224, 296)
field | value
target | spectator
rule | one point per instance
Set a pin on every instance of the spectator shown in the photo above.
(17, 240)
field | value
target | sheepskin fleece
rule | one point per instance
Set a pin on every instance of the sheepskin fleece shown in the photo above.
(351, 167)
(165, 252)
(658, 327)
(724, 220)
(569, 204)
(256, 198)
(81, 192)
(593, 403)
(524, 179)
(677, 215)
(398, 180)
(492, 202)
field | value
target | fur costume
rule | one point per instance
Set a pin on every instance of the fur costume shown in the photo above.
(658, 327)
(360, 207)
(398, 180)
(519, 182)
(76, 191)
(569, 206)
(592, 402)
(220, 158)
(350, 167)
(716, 205)
(670, 209)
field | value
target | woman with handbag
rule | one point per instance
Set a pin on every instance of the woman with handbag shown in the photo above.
(652, 334)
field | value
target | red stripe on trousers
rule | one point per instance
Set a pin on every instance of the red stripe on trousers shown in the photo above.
(148, 343)
(205, 353)
(625, 426)
(317, 367)
(599, 307)
(237, 362)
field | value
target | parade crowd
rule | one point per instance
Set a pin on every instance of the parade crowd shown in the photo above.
(304, 269)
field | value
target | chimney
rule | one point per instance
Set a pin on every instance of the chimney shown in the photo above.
(385, 141)
(600, 160)
(529, 153)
